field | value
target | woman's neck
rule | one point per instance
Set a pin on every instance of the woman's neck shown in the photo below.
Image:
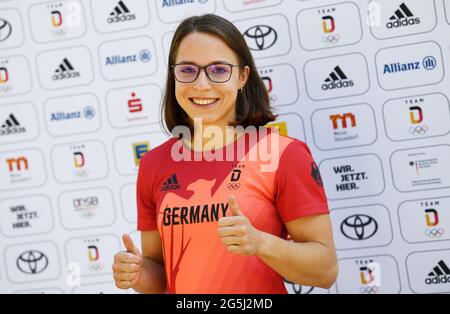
(208, 137)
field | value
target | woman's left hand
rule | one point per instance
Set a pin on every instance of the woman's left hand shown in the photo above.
(237, 232)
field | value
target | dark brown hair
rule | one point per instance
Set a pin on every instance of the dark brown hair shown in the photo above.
(252, 103)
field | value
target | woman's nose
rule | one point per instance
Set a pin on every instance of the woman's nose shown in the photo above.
(202, 81)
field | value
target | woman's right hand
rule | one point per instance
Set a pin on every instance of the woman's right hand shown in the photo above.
(127, 265)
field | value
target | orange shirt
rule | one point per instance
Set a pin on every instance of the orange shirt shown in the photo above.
(184, 199)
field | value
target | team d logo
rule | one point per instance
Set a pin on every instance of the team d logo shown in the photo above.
(370, 277)
(80, 169)
(94, 262)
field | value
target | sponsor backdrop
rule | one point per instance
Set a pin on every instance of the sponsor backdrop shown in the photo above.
(362, 82)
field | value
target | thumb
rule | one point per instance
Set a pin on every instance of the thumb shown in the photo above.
(234, 208)
(129, 245)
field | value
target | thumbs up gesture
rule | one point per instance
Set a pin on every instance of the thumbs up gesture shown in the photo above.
(237, 233)
(127, 265)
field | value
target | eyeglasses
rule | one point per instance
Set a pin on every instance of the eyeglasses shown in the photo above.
(216, 72)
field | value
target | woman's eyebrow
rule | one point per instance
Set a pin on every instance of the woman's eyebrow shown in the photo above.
(192, 62)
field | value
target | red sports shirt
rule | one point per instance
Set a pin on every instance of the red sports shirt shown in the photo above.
(183, 200)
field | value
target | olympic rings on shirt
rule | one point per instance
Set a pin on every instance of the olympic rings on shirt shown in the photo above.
(233, 186)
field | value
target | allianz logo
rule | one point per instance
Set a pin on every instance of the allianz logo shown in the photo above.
(144, 56)
(171, 3)
(87, 113)
(428, 63)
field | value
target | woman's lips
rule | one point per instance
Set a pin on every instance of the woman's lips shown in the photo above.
(204, 102)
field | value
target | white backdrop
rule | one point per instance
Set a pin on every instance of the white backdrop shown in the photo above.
(363, 83)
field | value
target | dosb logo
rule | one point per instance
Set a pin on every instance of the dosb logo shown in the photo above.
(86, 207)
(402, 17)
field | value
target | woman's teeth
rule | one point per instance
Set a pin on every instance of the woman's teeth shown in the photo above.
(204, 101)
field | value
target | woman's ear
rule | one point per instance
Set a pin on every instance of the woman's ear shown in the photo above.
(245, 73)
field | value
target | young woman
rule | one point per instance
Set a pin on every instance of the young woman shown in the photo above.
(232, 223)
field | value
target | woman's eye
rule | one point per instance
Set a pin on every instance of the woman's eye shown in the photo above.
(219, 69)
(188, 69)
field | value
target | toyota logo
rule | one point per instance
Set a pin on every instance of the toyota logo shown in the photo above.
(261, 37)
(5, 30)
(359, 227)
(32, 262)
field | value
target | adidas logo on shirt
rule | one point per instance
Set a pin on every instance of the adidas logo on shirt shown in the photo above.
(337, 79)
(11, 126)
(171, 184)
(65, 71)
(439, 275)
(402, 17)
(121, 13)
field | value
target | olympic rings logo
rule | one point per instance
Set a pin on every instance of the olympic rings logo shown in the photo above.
(59, 33)
(434, 232)
(81, 173)
(369, 290)
(5, 89)
(331, 39)
(96, 267)
(233, 186)
(418, 130)
(88, 214)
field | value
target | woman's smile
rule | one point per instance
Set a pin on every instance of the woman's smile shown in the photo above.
(204, 102)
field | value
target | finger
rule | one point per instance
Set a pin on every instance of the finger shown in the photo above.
(231, 231)
(233, 249)
(129, 245)
(124, 284)
(232, 241)
(126, 268)
(231, 221)
(125, 276)
(234, 208)
(128, 258)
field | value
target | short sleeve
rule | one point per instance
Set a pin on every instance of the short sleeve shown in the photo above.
(146, 207)
(299, 186)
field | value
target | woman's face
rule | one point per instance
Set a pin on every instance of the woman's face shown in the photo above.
(214, 103)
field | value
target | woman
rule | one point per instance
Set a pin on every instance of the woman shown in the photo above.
(227, 224)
